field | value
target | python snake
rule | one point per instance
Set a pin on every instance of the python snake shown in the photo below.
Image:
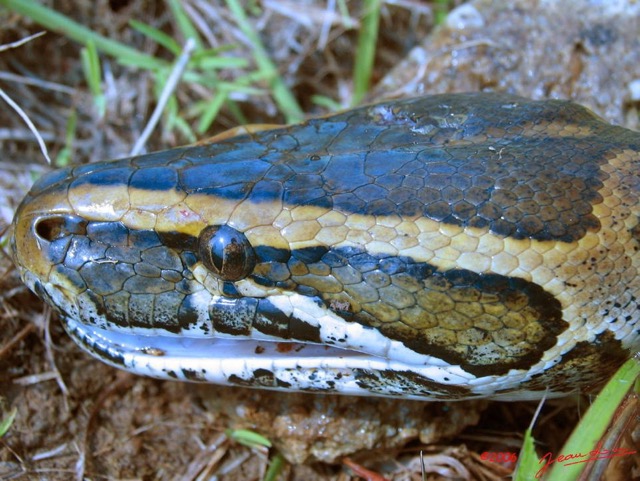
(443, 247)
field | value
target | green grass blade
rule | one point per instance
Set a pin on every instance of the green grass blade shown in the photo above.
(170, 114)
(57, 22)
(441, 10)
(365, 51)
(344, 14)
(326, 102)
(91, 65)
(185, 25)
(157, 36)
(281, 94)
(527, 465)
(185, 129)
(64, 156)
(237, 113)
(7, 421)
(215, 62)
(210, 111)
(248, 438)
(91, 68)
(527, 460)
(275, 468)
(587, 434)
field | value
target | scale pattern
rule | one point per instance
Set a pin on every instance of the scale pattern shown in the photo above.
(464, 245)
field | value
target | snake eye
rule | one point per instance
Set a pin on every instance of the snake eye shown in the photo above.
(226, 252)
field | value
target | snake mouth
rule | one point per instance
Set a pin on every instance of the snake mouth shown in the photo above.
(245, 362)
(121, 346)
(175, 348)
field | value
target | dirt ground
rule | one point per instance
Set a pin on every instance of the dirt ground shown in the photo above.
(79, 419)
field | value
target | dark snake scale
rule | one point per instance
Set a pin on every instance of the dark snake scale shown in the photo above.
(444, 247)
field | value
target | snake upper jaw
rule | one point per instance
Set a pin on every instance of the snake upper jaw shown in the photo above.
(164, 355)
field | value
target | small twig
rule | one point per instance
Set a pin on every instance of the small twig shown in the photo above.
(26, 330)
(23, 134)
(203, 463)
(12, 166)
(27, 120)
(537, 413)
(36, 82)
(22, 41)
(15, 455)
(168, 89)
(323, 38)
(361, 471)
(32, 379)
(15, 106)
(48, 343)
(51, 453)
(80, 462)
(18, 289)
(233, 464)
(199, 21)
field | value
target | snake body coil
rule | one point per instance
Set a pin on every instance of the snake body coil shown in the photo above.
(444, 247)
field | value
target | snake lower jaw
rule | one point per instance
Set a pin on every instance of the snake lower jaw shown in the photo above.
(284, 366)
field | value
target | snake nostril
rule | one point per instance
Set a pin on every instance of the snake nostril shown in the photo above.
(56, 227)
(49, 229)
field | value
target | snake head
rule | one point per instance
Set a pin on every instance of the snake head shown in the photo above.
(444, 247)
